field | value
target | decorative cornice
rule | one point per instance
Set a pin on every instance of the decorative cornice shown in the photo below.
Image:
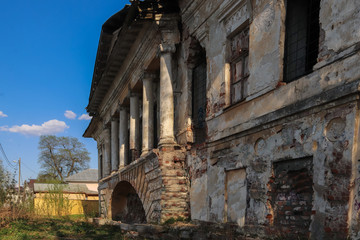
(229, 9)
(131, 69)
(192, 7)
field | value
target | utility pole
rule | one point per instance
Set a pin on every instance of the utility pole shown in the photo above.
(19, 176)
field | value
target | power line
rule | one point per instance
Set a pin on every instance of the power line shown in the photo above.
(7, 160)
(28, 167)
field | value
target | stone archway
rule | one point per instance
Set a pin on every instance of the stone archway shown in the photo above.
(126, 205)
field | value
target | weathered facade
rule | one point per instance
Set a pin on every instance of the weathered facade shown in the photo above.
(231, 111)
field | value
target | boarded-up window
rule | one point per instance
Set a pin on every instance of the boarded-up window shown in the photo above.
(235, 196)
(291, 196)
(239, 62)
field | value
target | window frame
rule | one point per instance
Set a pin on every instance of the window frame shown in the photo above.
(239, 55)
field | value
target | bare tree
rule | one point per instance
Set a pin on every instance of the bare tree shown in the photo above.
(61, 157)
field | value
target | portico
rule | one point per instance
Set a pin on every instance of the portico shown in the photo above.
(133, 121)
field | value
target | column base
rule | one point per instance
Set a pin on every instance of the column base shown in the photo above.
(144, 152)
(134, 154)
(167, 142)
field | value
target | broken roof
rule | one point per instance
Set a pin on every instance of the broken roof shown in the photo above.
(117, 36)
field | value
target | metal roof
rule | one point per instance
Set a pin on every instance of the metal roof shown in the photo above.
(88, 175)
(66, 188)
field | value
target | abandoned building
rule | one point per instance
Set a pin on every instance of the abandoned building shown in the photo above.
(231, 111)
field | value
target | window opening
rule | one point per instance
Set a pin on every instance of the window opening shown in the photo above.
(239, 64)
(199, 99)
(302, 38)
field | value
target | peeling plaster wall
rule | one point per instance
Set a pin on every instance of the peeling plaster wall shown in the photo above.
(339, 21)
(325, 135)
(266, 60)
(314, 117)
(213, 22)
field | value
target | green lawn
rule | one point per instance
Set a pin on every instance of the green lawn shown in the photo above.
(57, 228)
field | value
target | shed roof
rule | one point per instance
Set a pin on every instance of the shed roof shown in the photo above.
(88, 175)
(66, 188)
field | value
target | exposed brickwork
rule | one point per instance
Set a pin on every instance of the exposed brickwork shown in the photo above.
(151, 189)
(175, 192)
(337, 194)
(294, 144)
(290, 197)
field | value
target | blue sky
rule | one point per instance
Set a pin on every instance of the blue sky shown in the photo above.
(47, 56)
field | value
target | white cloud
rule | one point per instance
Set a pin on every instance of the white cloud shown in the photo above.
(84, 117)
(49, 127)
(2, 114)
(70, 114)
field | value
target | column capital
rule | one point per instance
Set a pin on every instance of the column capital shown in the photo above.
(124, 108)
(98, 145)
(135, 94)
(105, 134)
(147, 75)
(167, 48)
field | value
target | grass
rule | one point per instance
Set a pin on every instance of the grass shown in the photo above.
(57, 228)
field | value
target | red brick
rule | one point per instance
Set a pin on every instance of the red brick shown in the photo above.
(331, 198)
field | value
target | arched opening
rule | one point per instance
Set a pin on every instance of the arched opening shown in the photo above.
(126, 205)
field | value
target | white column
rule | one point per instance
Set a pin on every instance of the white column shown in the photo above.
(134, 126)
(107, 153)
(103, 174)
(114, 144)
(100, 159)
(148, 114)
(166, 96)
(123, 137)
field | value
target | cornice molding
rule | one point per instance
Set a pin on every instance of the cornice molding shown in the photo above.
(229, 9)
(146, 49)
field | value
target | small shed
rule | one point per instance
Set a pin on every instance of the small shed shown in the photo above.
(77, 196)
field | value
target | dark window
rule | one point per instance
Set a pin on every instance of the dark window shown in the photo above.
(239, 61)
(199, 99)
(302, 38)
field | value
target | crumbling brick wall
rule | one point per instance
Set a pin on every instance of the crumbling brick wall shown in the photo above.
(290, 197)
(298, 174)
(153, 188)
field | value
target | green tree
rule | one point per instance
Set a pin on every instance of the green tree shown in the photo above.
(61, 157)
(6, 183)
